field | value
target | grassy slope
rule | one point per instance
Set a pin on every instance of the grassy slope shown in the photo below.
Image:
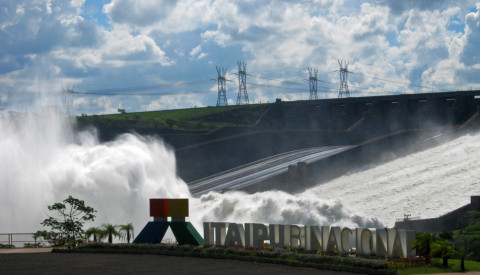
(206, 118)
(436, 267)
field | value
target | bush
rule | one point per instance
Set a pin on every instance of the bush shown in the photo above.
(215, 250)
(372, 264)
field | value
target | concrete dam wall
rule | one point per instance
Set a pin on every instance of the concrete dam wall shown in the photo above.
(289, 126)
(400, 120)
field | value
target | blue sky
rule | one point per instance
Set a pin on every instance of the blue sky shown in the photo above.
(143, 55)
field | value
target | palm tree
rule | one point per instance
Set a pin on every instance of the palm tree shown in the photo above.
(109, 230)
(441, 248)
(93, 231)
(422, 244)
(126, 231)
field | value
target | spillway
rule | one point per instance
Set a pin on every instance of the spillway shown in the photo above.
(258, 171)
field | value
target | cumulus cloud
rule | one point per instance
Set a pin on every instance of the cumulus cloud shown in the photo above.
(470, 54)
(197, 52)
(423, 43)
(50, 40)
(398, 7)
(138, 12)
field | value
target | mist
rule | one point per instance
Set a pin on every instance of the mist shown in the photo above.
(43, 161)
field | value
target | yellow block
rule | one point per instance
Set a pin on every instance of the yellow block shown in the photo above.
(177, 208)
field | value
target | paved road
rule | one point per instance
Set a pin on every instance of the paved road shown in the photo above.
(261, 170)
(60, 263)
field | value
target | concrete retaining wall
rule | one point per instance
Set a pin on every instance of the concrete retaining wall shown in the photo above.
(447, 222)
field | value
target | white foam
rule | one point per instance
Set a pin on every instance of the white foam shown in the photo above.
(425, 184)
(42, 162)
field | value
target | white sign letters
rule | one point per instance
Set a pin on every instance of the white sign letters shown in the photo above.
(387, 242)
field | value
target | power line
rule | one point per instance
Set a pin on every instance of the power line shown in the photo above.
(272, 86)
(278, 80)
(397, 82)
(142, 94)
(145, 87)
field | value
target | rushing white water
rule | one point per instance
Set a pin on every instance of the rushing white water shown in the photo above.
(42, 162)
(426, 184)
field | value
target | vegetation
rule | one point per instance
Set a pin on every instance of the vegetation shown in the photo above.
(437, 267)
(468, 236)
(422, 245)
(67, 221)
(193, 119)
(95, 232)
(109, 231)
(126, 231)
(444, 250)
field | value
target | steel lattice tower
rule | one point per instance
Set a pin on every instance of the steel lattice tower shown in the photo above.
(343, 72)
(242, 83)
(68, 99)
(222, 87)
(313, 80)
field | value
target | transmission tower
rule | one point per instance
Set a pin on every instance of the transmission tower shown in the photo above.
(68, 99)
(313, 80)
(343, 72)
(242, 83)
(222, 87)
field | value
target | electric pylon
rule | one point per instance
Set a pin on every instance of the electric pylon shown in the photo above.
(313, 80)
(343, 72)
(242, 83)
(68, 99)
(222, 87)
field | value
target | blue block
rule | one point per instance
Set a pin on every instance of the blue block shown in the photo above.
(153, 232)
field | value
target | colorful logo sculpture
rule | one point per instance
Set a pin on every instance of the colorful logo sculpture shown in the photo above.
(161, 210)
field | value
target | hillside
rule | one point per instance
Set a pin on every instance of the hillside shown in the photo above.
(186, 120)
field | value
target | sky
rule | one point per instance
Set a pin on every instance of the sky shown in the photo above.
(145, 55)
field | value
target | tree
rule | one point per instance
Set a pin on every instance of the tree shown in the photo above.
(443, 249)
(422, 244)
(71, 214)
(93, 231)
(126, 231)
(109, 230)
(446, 235)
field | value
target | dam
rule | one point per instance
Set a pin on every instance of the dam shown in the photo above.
(364, 131)
(292, 163)
(372, 130)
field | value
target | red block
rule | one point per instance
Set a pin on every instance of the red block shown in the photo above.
(158, 208)
(163, 208)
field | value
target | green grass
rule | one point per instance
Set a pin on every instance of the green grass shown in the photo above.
(205, 118)
(177, 114)
(436, 267)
